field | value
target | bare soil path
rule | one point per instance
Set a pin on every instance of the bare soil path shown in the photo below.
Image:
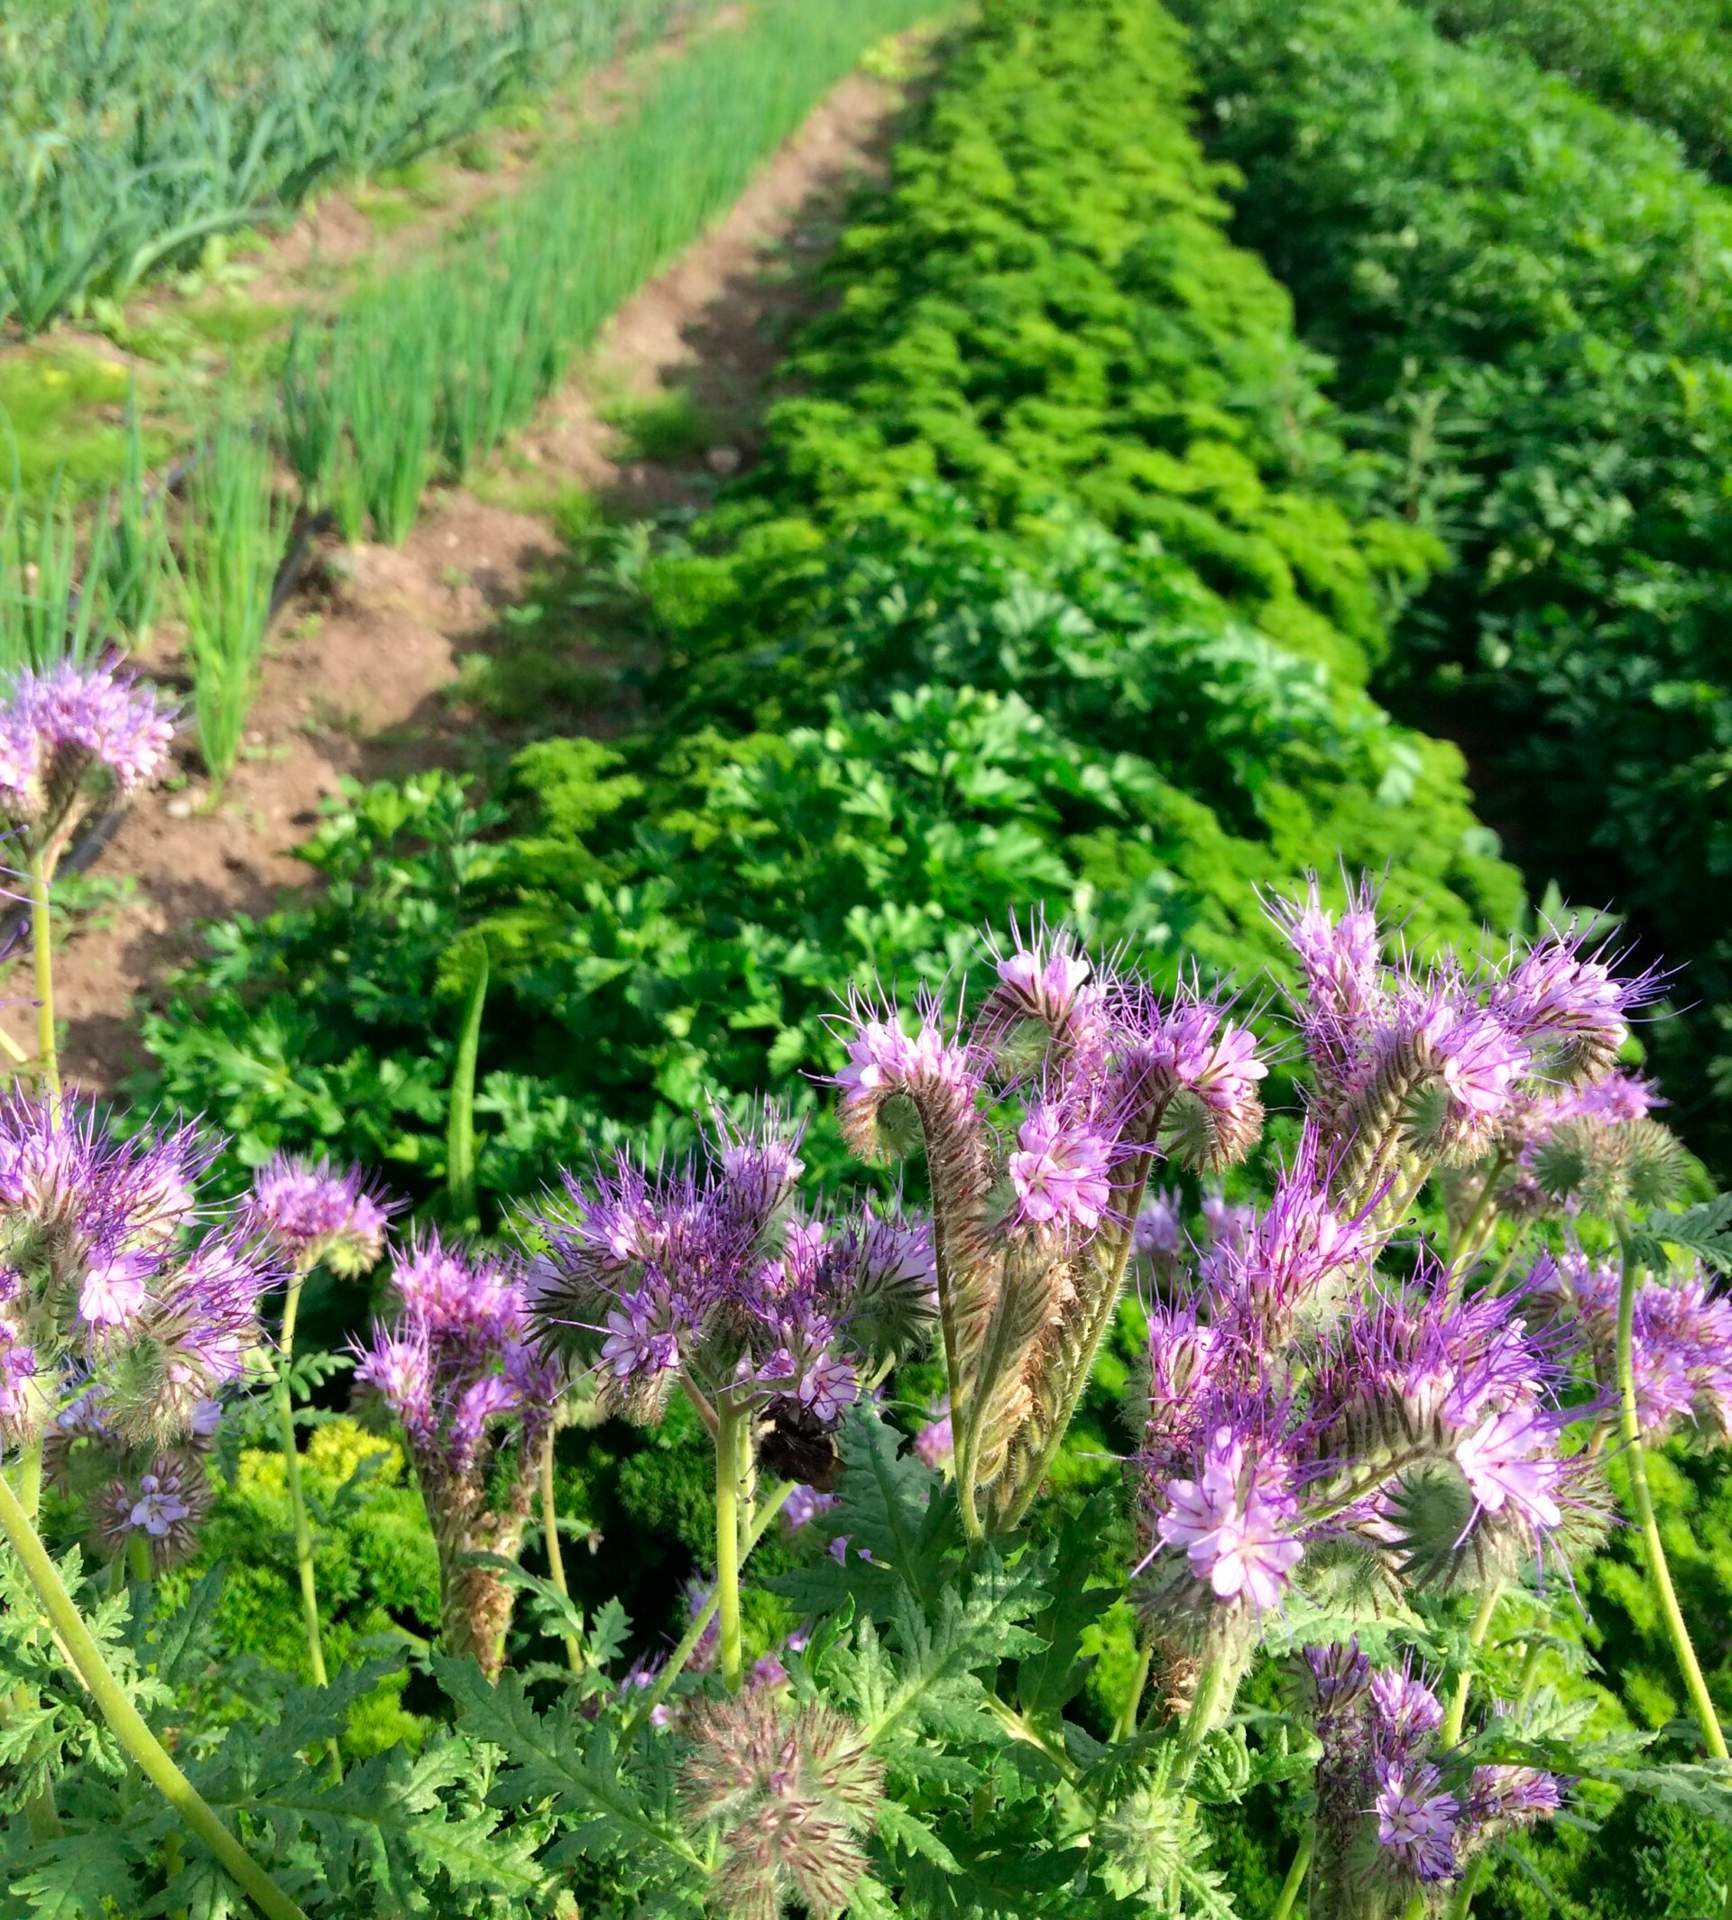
(362, 678)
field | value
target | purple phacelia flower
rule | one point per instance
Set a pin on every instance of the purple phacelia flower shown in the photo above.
(1416, 1819)
(56, 727)
(1059, 1172)
(321, 1215)
(935, 1443)
(1514, 1796)
(1235, 1523)
(804, 1505)
(1407, 1711)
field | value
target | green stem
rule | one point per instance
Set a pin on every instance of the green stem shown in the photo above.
(1461, 1253)
(1216, 1686)
(555, 1558)
(1659, 1573)
(676, 1660)
(1023, 1729)
(124, 1719)
(1126, 1724)
(39, 1810)
(42, 948)
(1456, 1718)
(292, 1476)
(1295, 1875)
(731, 1418)
(138, 1559)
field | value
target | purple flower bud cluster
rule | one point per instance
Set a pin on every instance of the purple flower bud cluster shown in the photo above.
(131, 1491)
(476, 1399)
(109, 1271)
(321, 1216)
(58, 726)
(1295, 1398)
(1089, 1057)
(457, 1366)
(1680, 1344)
(708, 1274)
(1449, 1063)
(1395, 1811)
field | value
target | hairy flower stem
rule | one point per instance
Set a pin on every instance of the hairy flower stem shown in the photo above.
(1216, 1686)
(283, 1395)
(124, 1719)
(1465, 1244)
(1659, 1573)
(42, 949)
(555, 1558)
(676, 1661)
(284, 1398)
(1295, 1876)
(39, 1810)
(1126, 1724)
(1457, 1715)
(733, 1435)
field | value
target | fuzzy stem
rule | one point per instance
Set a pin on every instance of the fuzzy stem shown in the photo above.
(731, 1418)
(138, 1559)
(42, 949)
(1126, 1724)
(676, 1660)
(1659, 1573)
(124, 1719)
(1216, 1687)
(1456, 1718)
(292, 1477)
(283, 1395)
(1295, 1875)
(555, 1558)
(1495, 1285)
(39, 1810)
(1461, 1252)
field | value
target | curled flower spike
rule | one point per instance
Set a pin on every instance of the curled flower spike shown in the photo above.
(321, 1216)
(1569, 1006)
(1397, 1812)
(59, 726)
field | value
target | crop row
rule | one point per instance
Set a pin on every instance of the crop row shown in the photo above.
(133, 131)
(1663, 60)
(1051, 584)
(421, 376)
(1531, 297)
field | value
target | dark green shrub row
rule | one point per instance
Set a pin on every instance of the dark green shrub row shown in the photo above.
(962, 645)
(1533, 298)
(1668, 61)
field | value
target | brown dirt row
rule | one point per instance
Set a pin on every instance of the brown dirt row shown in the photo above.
(362, 675)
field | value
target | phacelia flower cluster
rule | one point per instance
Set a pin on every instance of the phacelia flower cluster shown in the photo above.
(1299, 1400)
(134, 1496)
(59, 727)
(709, 1276)
(115, 1278)
(1449, 1066)
(457, 1366)
(1680, 1339)
(320, 1215)
(1396, 1812)
(1041, 1114)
